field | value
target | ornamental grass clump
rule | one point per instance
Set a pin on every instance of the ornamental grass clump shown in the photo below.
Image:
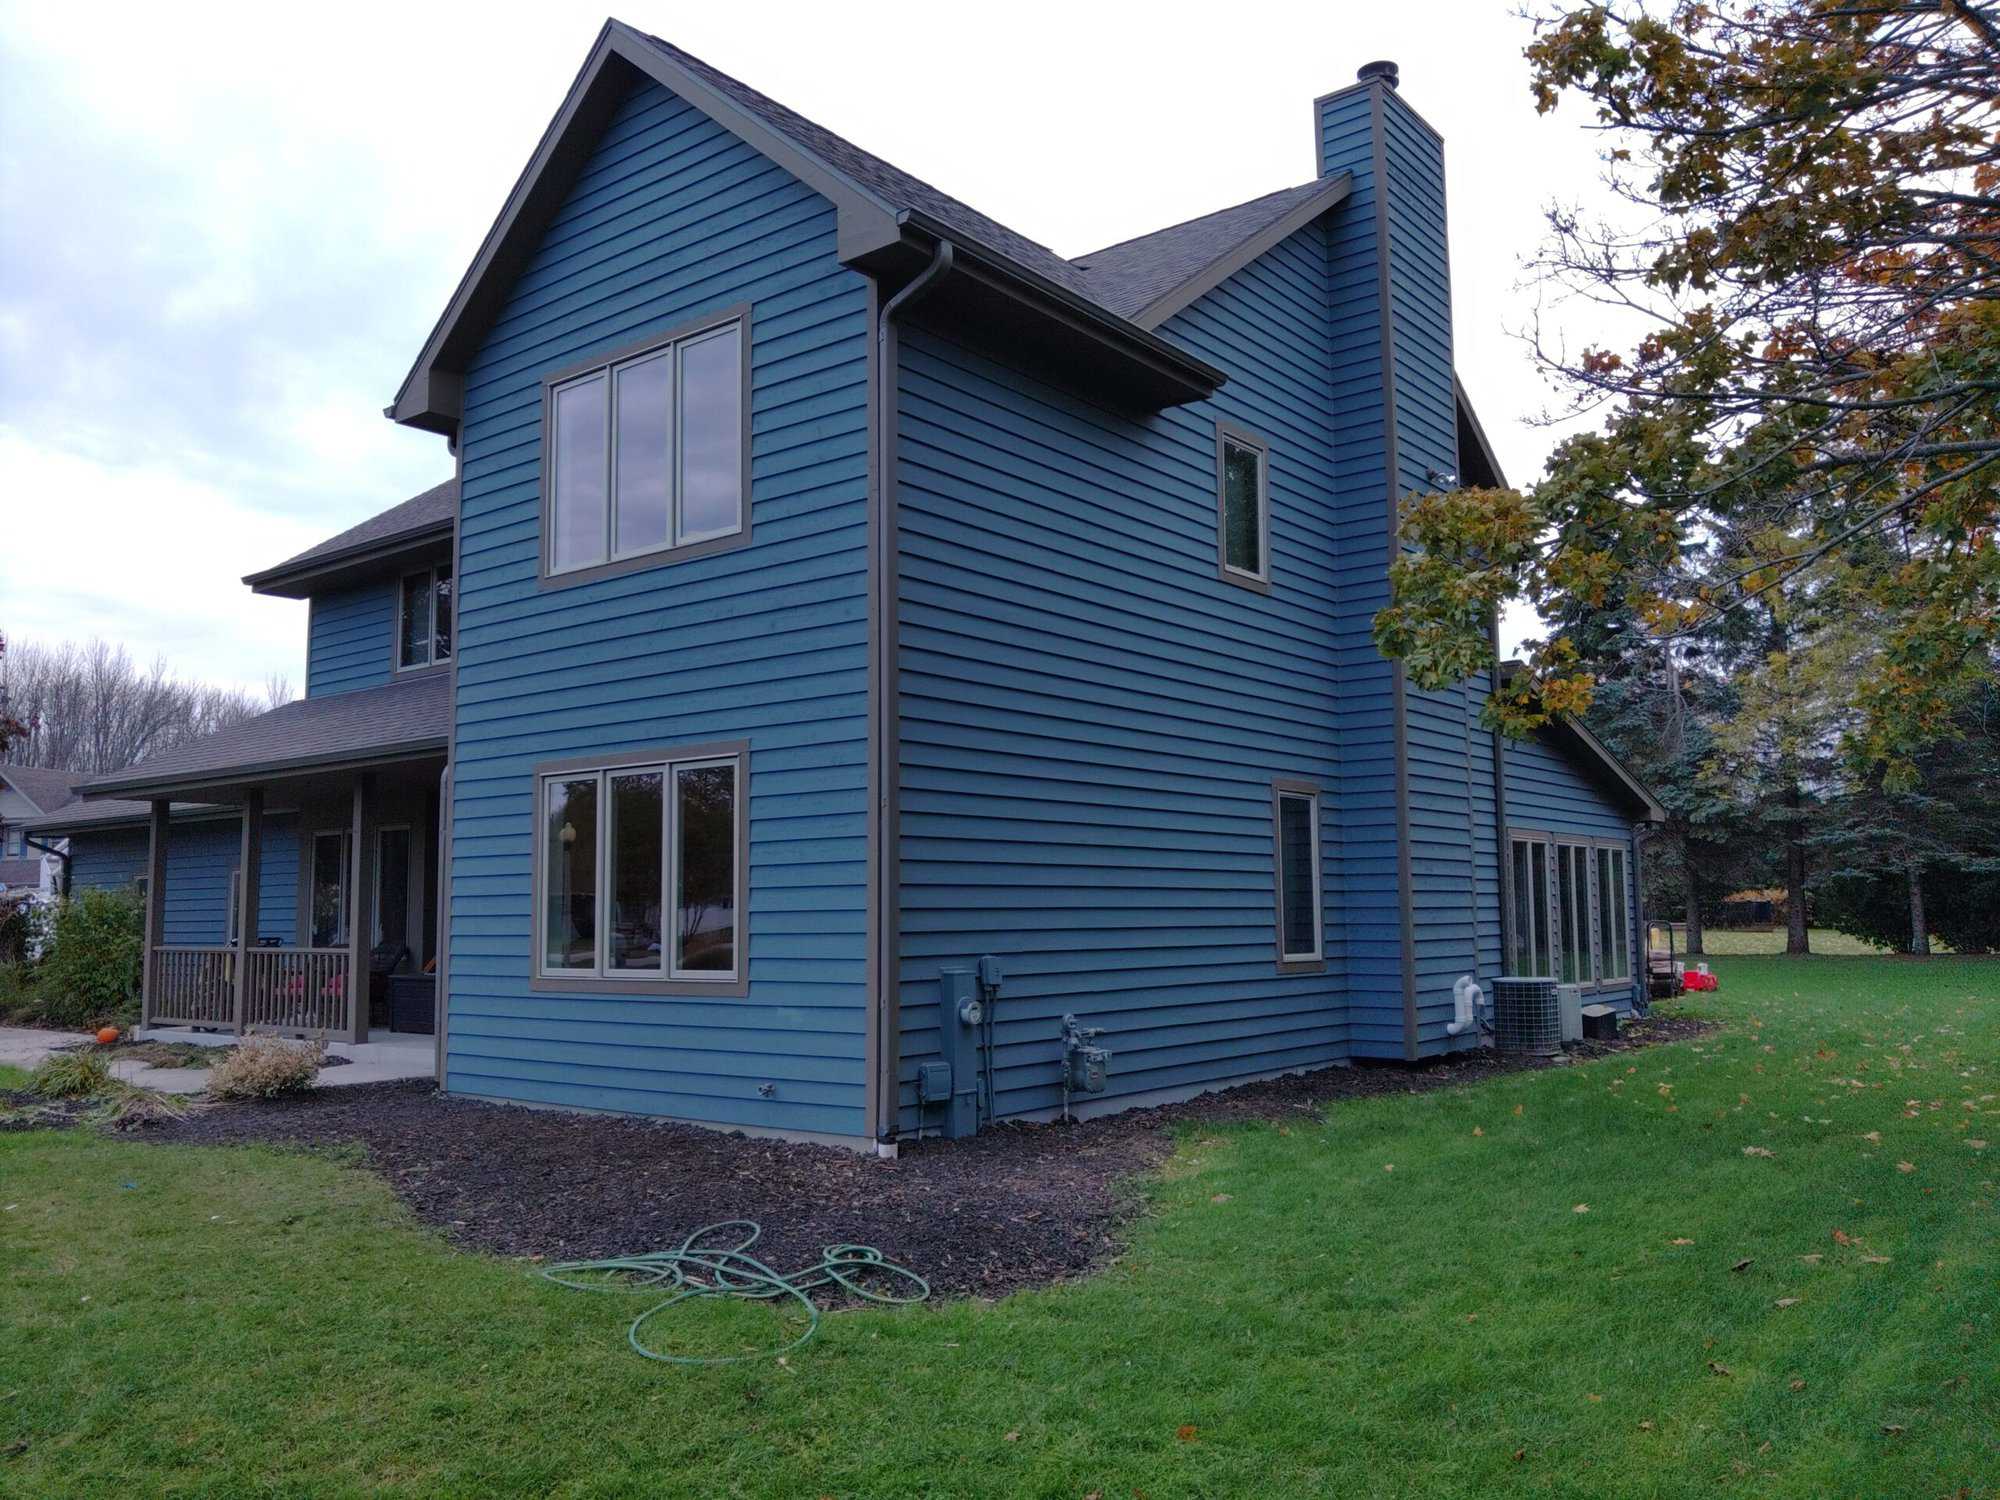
(266, 1067)
(70, 1075)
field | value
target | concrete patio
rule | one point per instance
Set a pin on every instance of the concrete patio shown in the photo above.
(387, 1057)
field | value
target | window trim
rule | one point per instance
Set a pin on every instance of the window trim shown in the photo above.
(1300, 963)
(1227, 433)
(434, 661)
(605, 982)
(1594, 949)
(665, 342)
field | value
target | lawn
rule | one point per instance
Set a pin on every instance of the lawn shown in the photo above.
(1763, 1263)
(1730, 942)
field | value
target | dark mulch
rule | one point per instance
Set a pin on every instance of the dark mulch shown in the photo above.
(1021, 1205)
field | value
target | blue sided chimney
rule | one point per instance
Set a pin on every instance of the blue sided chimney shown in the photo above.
(1396, 430)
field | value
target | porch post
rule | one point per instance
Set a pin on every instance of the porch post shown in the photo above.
(156, 909)
(360, 909)
(249, 861)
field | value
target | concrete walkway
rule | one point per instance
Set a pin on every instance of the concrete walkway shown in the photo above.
(389, 1057)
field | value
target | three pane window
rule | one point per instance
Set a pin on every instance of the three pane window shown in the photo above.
(1299, 917)
(647, 452)
(423, 635)
(642, 871)
(1571, 912)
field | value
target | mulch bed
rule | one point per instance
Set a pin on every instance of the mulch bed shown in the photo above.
(1016, 1206)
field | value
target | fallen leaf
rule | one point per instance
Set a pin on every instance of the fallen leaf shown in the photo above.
(1976, 1145)
(1814, 1259)
(1593, 1397)
(1186, 1432)
(1094, 1495)
(1786, 1302)
(1519, 1454)
(1874, 1138)
(1876, 1260)
(1680, 1242)
(1798, 1385)
(1645, 1426)
(1717, 1367)
(1906, 1166)
(1892, 1428)
(1744, 1264)
(1472, 1317)
(1758, 1151)
(1220, 1198)
(1012, 1437)
(1517, 1109)
(1477, 1131)
(1842, 1237)
(1581, 1208)
(1388, 1166)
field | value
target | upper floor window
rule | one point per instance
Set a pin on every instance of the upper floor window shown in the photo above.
(647, 452)
(423, 637)
(1242, 507)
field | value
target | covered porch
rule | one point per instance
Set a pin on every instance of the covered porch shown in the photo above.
(330, 927)
(361, 958)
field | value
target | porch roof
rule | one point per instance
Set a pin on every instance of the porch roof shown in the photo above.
(403, 720)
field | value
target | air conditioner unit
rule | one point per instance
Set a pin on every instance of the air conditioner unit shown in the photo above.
(1569, 1002)
(1527, 1016)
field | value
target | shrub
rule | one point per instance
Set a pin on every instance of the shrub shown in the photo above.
(19, 999)
(70, 1075)
(265, 1067)
(90, 975)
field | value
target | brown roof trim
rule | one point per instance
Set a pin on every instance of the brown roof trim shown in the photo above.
(1469, 420)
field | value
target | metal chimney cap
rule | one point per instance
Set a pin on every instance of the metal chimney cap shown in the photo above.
(1385, 70)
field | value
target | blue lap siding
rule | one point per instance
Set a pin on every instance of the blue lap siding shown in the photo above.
(1091, 719)
(350, 635)
(200, 856)
(671, 219)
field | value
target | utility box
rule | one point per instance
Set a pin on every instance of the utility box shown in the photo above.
(960, 1012)
(1569, 1006)
(1600, 1023)
(1084, 1062)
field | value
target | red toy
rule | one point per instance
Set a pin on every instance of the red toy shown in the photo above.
(1694, 979)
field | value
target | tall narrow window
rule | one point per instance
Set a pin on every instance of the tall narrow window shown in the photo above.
(705, 869)
(569, 885)
(392, 886)
(1614, 917)
(656, 847)
(424, 631)
(1573, 901)
(638, 828)
(1535, 906)
(647, 451)
(1299, 922)
(1242, 508)
(329, 890)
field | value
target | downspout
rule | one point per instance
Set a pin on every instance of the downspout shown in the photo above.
(1642, 961)
(61, 854)
(885, 897)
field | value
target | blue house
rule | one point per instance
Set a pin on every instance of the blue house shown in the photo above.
(857, 639)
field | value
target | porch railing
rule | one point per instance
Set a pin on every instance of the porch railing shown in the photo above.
(193, 986)
(297, 989)
(286, 989)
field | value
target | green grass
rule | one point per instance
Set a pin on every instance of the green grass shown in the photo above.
(1294, 1318)
(12, 1078)
(1824, 941)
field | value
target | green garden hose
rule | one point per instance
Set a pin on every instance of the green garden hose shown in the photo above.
(732, 1272)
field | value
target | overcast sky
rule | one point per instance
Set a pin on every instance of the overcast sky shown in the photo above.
(224, 232)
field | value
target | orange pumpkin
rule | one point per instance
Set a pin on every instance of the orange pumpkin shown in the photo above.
(106, 1035)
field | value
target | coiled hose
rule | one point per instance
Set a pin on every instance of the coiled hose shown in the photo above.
(731, 1271)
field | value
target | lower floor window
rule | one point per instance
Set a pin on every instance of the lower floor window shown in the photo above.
(1299, 920)
(1571, 913)
(640, 870)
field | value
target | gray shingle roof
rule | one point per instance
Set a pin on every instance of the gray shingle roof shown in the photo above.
(48, 790)
(433, 509)
(412, 716)
(1132, 274)
(81, 816)
(887, 181)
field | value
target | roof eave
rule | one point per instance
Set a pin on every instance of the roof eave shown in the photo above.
(298, 581)
(1335, 189)
(229, 776)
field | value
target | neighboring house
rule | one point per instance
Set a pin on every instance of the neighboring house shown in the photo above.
(849, 589)
(29, 861)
